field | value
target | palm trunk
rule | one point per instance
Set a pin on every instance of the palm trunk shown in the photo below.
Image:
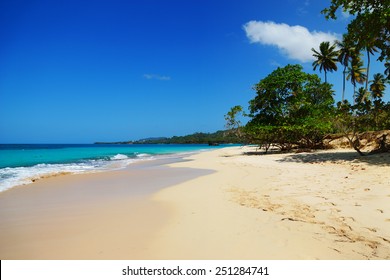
(342, 97)
(368, 72)
(368, 69)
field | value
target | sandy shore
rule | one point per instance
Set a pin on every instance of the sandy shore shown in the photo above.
(323, 205)
(326, 205)
(108, 215)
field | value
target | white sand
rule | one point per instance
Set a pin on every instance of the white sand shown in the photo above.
(327, 205)
(105, 215)
(324, 205)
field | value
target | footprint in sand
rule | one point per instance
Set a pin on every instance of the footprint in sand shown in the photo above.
(331, 203)
(323, 197)
(372, 229)
(380, 210)
(351, 218)
(338, 251)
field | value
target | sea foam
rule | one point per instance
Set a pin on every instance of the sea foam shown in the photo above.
(119, 157)
(24, 164)
(14, 176)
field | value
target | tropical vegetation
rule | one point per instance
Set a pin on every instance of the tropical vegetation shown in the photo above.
(290, 108)
(295, 109)
(215, 138)
(326, 58)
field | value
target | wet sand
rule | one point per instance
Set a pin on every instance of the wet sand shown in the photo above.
(106, 215)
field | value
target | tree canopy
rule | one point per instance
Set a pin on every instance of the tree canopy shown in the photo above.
(370, 27)
(291, 107)
(326, 58)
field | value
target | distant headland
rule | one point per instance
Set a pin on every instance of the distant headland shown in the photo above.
(216, 138)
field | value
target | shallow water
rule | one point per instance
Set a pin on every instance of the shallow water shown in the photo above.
(23, 164)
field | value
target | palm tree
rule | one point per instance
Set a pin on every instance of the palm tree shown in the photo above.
(346, 52)
(378, 86)
(370, 49)
(326, 58)
(356, 73)
(360, 93)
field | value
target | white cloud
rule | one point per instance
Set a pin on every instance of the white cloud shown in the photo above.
(293, 41)
(156, 77)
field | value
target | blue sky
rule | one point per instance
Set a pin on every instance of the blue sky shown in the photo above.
(85, 71)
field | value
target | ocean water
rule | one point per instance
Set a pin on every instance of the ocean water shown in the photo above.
(22, 164)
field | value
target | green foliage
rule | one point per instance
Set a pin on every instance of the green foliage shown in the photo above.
(356, 73)
(293, 108)
(345, 54)
(371, 113)
(378, 86)
(369, 31)
(219, 137)
(326, 58)
(290, 108)
(233, 123)
(365, 115)
(369, 28)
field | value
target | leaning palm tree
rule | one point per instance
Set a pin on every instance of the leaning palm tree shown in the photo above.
(326, 58)
(346, 52)
(356, 73)
(378, 86)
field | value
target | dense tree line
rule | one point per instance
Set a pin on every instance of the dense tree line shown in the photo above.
(219, 137)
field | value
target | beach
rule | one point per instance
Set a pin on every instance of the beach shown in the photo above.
(229, 203)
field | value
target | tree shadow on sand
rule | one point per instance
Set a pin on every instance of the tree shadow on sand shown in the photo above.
(256, 153)
(382, 159)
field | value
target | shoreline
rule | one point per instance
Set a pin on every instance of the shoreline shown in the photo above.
(330, 204)
(28, 163)
(105, 215)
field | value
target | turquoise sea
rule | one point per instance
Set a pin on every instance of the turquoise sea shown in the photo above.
(20, 164)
